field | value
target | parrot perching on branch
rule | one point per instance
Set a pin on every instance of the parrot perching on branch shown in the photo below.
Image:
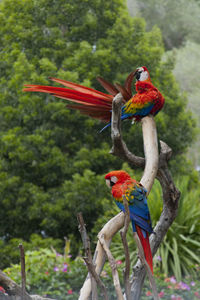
(98, 105)
(123, 185)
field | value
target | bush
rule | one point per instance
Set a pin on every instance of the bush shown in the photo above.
(58, 276)
(10, 250)
(51, 274)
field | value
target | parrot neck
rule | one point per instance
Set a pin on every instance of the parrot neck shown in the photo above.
(117, 191)
(119, 188)
(142, 86)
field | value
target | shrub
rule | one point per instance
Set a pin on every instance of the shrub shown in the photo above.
(51, 274)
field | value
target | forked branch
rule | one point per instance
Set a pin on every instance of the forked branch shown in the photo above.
(155, 166)
(95, 279)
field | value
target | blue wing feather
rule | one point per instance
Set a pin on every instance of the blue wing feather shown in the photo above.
(136, 219)
(139, 211)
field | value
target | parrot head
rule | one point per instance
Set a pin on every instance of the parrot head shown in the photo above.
(142, 74)
(116, 177)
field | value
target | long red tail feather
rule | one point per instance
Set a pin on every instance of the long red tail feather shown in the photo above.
(81, 88)
(146, 247)
(87, 100)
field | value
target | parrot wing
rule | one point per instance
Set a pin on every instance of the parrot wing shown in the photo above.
(141, 104)
(88, 101)
(143, 228)
(135, 194)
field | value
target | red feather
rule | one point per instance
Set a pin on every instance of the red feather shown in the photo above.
(109, 87)
(99, 105)
(146, 247)
(90, 102)
(82, 88)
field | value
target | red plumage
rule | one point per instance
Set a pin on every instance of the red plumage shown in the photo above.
(88, 101)
(98, 105)
(146, 247)
(123, 185)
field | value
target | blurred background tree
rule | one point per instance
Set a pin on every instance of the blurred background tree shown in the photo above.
(53, 160)
(178, 20)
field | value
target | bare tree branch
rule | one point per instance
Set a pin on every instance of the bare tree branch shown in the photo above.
(126, 251)
(113, 268)
(119, 148)
(171, 196)
(151, 152)
(95, 279)
(23, 271)
(108, 231)
(88, 255)
(145, 264)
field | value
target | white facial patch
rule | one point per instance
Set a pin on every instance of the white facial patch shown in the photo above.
(144, 76)
(113, 179)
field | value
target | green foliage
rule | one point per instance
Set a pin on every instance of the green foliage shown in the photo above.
(52, 160)
(10, 251)
(180, 249)
(51, 274)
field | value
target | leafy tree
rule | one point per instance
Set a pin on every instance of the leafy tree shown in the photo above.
(52, 159)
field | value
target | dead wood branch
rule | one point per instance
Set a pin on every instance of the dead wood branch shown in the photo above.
(113, 266)
(95, 279)
(123, 233)
(108, 231)
(23, 271)
(171, 195)
(146, 266)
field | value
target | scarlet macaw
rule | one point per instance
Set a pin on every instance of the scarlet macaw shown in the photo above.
(98, 105)
(123, 185)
